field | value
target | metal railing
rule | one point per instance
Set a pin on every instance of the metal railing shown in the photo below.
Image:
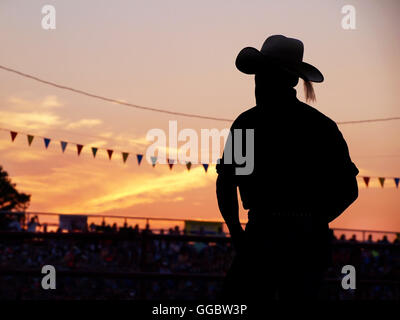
(149, 220)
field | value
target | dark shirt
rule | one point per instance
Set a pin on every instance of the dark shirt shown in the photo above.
(301, 159)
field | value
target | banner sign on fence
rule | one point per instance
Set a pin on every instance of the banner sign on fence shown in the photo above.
(203, 227)
(73, 222)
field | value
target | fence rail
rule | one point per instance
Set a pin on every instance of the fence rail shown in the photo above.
(148, 220)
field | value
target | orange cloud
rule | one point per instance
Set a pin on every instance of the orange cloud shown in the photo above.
(29, 120)
(47, 102)
(84, 123)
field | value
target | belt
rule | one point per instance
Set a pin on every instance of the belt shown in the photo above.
(284, 214)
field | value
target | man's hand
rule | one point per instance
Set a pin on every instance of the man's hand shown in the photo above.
(238, 237)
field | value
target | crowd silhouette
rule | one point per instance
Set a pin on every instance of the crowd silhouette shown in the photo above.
(171, 256)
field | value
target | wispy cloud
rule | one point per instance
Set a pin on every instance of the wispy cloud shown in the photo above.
(150, 188)
(84, 123)
(29, 120)
(47, 102)
(93, 187)
(20, 113)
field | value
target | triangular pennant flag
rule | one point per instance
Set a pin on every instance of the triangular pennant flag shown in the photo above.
(205, 166)
(13, 135)
(79, 148)
(381, 181)
(396, 181)
(110, 152)
(94, 151)
(63, 145)
(125, 156)
(366, 180)
(46, 142)
(139, 158)
(170, 163)
(153, 161)
(30, 139)
(188, 165)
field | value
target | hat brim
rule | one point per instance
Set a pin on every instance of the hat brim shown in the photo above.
(250, 61)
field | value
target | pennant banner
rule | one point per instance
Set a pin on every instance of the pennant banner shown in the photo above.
(30, 139)
(46, 142)
(79, 148)
(110, 152)
(170, 162)
(13, 135)
(381, 180)
(94, 151)
(63, 145)
(139, 158)
(153, 161)
(125, 156)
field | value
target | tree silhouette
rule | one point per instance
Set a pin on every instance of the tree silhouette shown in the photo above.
(10, 198)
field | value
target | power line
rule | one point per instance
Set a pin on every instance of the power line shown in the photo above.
(189, 115)
(369, 120)
(111, 99)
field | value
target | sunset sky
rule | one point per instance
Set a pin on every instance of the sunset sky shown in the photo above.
(179, 55)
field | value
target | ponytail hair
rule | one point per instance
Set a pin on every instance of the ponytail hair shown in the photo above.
(309, 91)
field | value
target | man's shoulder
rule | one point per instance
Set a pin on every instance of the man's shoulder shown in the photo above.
(246, 117)
(306, 113)
(317, 117)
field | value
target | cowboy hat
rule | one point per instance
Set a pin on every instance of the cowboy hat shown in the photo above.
(278, 50)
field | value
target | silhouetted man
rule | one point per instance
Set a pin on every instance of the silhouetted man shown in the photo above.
(303, 178)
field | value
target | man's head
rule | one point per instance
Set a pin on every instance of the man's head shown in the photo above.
(278, 65)
(272, 80)
(278, 80)
(275, 77)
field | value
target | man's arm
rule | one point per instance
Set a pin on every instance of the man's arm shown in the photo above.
(348, 194)
(344, 187)
(228, 206)
(227, 192)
